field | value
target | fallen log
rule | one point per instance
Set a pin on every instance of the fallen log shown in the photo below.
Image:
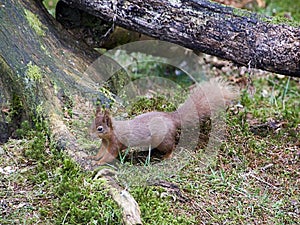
(247, 39)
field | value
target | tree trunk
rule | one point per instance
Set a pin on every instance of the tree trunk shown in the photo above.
(43, 75)
(245, 38)
(40, 63)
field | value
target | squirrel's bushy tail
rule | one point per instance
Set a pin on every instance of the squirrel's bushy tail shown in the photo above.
(204, 100)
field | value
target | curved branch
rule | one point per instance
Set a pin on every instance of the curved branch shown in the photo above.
(130, 208)
(245, 38)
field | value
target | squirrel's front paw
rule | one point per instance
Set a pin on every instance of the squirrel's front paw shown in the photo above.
(91, 157)
(98, 163)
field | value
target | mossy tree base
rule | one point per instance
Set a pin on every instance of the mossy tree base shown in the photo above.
(41, 71)
(39, 60)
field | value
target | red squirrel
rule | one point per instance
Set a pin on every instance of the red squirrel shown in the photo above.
(158, 129)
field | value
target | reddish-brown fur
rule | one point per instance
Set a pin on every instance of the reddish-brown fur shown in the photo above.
(158, 129)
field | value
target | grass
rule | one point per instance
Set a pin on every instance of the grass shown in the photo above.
(256, 177)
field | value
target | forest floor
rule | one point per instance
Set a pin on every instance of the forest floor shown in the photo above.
(254, 177)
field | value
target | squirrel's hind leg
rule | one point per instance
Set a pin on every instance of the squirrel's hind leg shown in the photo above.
(167, 148)
(168, 155)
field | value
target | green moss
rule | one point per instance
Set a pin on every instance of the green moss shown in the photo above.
(241, 12)
(34, 72)
(156, 207)
(281, 20)
(35, 23)
(82, 199)
(275, 19)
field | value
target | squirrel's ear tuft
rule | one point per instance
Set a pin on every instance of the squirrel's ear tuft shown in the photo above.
(98, 110)
(107, 118)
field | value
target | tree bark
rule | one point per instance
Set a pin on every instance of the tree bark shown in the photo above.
(39, 62)
(42, 68)
(43, 76)
(248, 39)
(90, 29)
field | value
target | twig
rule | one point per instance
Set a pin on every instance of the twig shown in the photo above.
(63, 222)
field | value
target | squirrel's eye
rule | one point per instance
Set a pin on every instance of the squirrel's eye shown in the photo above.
(100, 129)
